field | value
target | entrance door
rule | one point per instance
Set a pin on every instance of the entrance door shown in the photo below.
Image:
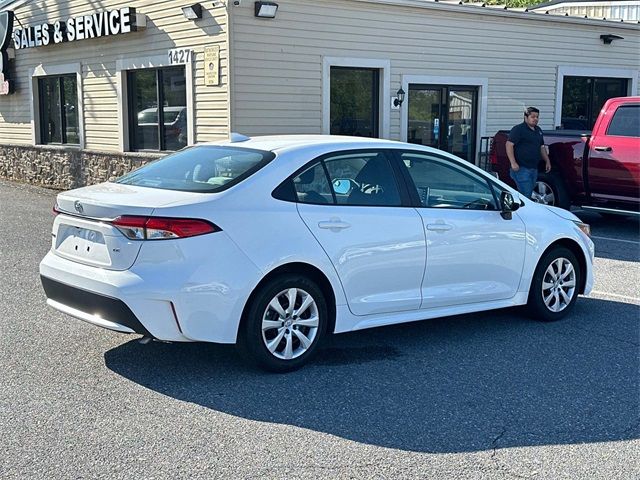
(444, 117)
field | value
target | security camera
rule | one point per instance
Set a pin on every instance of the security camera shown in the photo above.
(236, 3)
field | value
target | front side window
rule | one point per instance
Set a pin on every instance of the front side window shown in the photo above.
(625, 122)
(156, 94)
(443, 185)
(58, 104)
(206, 169)
(355, 102)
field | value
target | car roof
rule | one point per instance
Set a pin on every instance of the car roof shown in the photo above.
(281, 143)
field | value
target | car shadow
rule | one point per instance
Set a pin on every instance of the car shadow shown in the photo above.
(459, 384)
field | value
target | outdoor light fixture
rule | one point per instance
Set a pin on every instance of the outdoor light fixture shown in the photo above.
(397, 102)
(607, 39)
(266, 9)
(194, 12)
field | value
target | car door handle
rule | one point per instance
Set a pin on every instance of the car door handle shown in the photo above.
(439, 227)
(603, 149)
(334, 225)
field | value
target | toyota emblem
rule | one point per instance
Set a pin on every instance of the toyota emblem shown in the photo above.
(78, 206)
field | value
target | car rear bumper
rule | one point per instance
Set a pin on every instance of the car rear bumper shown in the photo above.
(93, 308)
(193, 290)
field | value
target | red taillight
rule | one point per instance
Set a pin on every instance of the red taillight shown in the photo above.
(160, 228)
(55, 209)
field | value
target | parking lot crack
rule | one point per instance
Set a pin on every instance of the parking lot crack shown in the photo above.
(499, 466)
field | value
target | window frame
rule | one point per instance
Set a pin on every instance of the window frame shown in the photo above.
(384, 111)
(130, 98)
(123, 66)
(375, 96)
(61, 70)
(571, 71)
(413, 189)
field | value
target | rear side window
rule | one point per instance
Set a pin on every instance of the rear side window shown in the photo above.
(364, 179)
(625, 122)
(206, 169)
(312, 186)
(358, 179)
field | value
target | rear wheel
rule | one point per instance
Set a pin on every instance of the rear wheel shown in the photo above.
(550, 190)
(554, 288)
(284, 324)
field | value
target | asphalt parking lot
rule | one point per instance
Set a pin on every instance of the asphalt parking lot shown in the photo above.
(492, 395)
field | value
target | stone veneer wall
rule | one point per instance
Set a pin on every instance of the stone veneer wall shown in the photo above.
(65, 168)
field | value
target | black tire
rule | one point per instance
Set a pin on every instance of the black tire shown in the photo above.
(555, 182)
(538, 309)
(252, 341)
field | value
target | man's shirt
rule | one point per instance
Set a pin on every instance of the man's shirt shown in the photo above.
(527, 143)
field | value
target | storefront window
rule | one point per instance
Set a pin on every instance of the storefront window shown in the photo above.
(584, 97)
(355, 101)
(59, 110)
(154, 94)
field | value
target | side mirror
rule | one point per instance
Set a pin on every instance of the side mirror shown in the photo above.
(508, 205)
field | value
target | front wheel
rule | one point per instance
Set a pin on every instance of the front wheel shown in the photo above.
(284, 324)
(554, 288)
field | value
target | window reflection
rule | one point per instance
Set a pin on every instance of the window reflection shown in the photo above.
(59, 110)
(354, 101)
(584, 97)
(154, 94)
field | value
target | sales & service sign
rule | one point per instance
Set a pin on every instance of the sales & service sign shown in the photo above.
(95, 25)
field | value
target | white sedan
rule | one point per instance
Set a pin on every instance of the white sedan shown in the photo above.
(274, 242)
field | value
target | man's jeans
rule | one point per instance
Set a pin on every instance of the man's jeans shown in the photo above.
(525, 179)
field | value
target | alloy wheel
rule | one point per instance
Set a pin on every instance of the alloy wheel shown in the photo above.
(559, 285)
(543, 193)
(290, 323)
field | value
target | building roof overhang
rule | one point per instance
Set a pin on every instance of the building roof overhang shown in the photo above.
(502, 11)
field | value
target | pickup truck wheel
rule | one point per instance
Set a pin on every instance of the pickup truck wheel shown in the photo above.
(550, 190)
(554, 288)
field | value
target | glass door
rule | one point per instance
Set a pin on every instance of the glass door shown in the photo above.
(444, 117)
(425, 112)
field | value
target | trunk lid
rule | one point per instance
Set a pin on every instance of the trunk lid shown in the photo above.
(82, 232)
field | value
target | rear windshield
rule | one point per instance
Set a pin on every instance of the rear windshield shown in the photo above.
(206, 169)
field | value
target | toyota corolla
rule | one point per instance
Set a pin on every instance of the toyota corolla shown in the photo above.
(274, 242)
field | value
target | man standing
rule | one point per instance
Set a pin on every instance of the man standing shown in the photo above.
(525, 149)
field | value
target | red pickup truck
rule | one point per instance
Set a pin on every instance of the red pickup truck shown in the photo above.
(598, 170)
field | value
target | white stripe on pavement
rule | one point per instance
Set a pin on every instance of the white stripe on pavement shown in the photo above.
(614, 295)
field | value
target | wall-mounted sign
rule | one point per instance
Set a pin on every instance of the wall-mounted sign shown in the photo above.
(212, 65)
(6, 27)
(180, 56)
(95, 25)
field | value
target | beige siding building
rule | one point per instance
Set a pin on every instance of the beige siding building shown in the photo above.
(89, 107)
